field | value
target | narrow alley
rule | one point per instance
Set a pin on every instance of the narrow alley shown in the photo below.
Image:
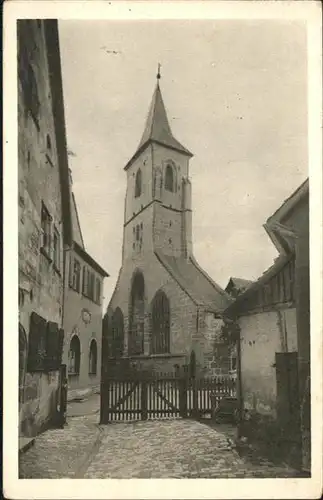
(152, 449)
(164, 254)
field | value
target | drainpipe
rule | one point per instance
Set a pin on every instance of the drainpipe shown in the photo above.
(66, 252)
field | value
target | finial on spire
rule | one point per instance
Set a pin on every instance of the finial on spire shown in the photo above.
(158, 73)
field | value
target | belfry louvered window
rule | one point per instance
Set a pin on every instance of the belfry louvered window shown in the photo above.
(160, 315)
(169, 178)
(138, 183)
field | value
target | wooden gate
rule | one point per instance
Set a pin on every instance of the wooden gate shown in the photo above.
(162, 396)
(288, 408)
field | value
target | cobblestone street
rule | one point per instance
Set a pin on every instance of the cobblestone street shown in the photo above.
(171, 449)
(152, 449)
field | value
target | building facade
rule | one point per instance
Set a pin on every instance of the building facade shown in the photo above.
(165, 311)
(270, 350)
(44, 222)
(83, 315)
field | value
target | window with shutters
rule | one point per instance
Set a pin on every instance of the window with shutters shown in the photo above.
(90, 286)
(74, 357)
(84, 280)
(93, 358)
(46, 221)
(76, 275)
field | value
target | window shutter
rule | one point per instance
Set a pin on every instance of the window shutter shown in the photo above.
(52, 344)
(37, 344)
(84, 275)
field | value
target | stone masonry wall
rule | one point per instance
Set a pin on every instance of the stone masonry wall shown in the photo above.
(134, 205)
(182, 308)
(40, 284)
(168, 230)
(207, 342)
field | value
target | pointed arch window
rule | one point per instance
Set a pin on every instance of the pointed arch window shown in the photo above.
(169, 178)
(138, 184)
(160, 314)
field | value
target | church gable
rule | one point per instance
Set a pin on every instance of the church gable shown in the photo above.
(195, 282)
(136, 294)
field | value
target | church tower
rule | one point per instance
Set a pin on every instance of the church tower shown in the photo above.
(158, 199)
(161, 292)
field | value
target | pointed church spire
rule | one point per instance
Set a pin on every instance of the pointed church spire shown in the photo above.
(157, 128)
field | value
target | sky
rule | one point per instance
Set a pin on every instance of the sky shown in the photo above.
(236, 96)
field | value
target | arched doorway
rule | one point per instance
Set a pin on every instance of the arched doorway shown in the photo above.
(22, 361)
(93, 358)
(117, 344)
(160, 316)
(136, 315)
(74, 356)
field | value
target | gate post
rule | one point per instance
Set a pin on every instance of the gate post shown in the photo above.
(102, 397)
(62, 396)
(105, 401)
(183, 397)
(144, 414)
